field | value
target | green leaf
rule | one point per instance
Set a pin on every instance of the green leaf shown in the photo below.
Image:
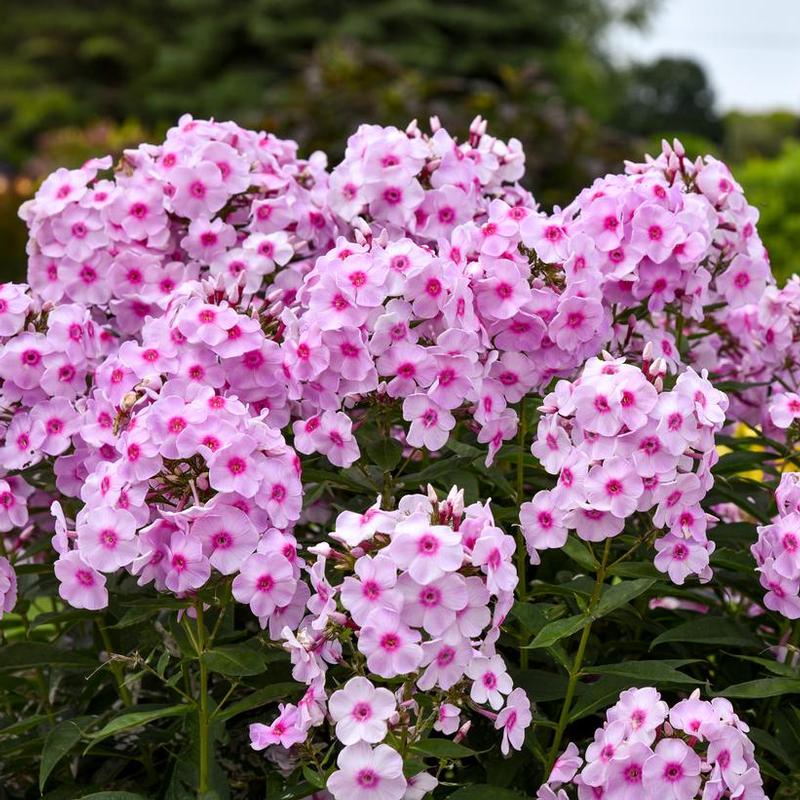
(58, 743)
(620, 594)
(442, 748)
(763, 687)
(599, 694)
(555, 631)
(481, 791)
(260, 697)
(386, 453)
(580, 553)
(23, 655)
(235, 659)
(654, 671)
(113, 796)
(135, 719)
(709, 630)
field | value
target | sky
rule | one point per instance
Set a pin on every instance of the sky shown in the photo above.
(749, 48)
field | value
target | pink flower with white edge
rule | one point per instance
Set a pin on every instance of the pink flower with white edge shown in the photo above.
(514, 720)
(673, 771)
(419, 786)
(360, 711)
(106, 538)
(490, 680)
(367, 773)
(426, 551)
(391, 647)
(237, 467)
(265, 582)
(80, 585)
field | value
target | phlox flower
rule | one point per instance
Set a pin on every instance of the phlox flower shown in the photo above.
(673, 771)
(8, 586)
(514, 720)
(264, 582)
(391, 647)
(106, 538)
(228, 536)
(360, 711)
(490, 681)
(187, 567)
(366, 773)
(427, 551)
(80, 585)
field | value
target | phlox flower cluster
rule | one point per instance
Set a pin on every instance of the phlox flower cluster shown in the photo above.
(436, 303)
(213, 198)
(621, 445)
(777, 551)
(695, 750)
(423, 593)
(180, 477)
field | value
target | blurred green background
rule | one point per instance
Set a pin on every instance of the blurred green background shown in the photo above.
(86, 77)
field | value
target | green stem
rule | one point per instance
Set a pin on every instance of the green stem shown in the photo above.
(116, 669)
(577, 662)
(202, 713)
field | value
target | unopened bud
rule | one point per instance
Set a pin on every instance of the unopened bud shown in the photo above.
(647, 353)
(462, 732)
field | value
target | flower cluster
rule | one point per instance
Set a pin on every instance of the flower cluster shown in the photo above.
(777, 551)
(177, 477)
(622, 445)
(214, 199)
(425, 589)
(647, 750)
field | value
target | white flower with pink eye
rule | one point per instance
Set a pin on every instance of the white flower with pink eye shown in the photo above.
(784, 408)
(430, 423)
(368, 774)
(490, 680)
(542, 522)
(372, 589)
(673, 771)
(391, 647)
(361, 711)
(680, 557)
(106, 539)
(514, 720)
(426, 551)
(641, 711)
(433, 605)
(447, 719)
